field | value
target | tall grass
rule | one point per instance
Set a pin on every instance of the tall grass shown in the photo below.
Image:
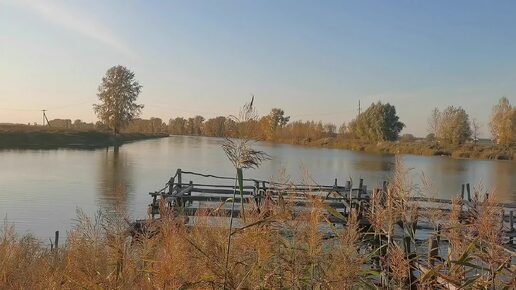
(276, 248)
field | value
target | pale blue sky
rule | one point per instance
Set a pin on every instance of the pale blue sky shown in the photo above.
(315, 59)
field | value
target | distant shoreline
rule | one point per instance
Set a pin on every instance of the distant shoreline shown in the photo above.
(37, 138)
(420, 147)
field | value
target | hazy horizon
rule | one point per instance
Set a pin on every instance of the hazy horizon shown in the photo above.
(314, 60)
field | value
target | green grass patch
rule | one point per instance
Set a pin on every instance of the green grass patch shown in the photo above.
(38, 137)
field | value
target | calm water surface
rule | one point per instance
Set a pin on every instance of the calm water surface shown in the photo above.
(40, 190)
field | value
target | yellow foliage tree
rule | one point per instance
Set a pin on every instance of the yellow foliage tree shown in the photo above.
(503, 122)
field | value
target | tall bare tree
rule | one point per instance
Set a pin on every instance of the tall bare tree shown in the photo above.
(117, 95)
(433, 122)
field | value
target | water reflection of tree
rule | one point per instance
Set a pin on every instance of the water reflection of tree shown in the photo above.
(503, 183)
(378, 164)
(445, 175)
(115, 180)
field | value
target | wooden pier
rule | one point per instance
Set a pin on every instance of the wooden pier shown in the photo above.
(184, 197)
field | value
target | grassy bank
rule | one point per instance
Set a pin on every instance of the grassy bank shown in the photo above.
(420, 147)
(37, 137)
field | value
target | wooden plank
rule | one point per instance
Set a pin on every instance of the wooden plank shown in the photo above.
(226, 212)
(238, 199)
(183, 191)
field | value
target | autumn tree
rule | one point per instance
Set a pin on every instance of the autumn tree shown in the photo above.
(277, 118)
(117, 95)
(503, 122)
(452, 125)
(215, 127)
(264, 125)
(378, 123)
(330, 129)
(271, 123)
(177, 126)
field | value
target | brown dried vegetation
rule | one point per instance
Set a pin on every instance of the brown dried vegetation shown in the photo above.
(276, 248)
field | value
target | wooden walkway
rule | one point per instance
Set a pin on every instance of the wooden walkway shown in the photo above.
(188, 197)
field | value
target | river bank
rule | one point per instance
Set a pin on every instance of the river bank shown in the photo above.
(419, 147)
(33, 137)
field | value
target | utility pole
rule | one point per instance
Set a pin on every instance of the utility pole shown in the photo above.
(45, 118)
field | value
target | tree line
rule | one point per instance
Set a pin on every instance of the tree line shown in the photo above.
(119, 111)
(379, 122)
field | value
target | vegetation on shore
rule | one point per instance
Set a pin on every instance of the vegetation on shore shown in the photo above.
(41, 137)
(415, 147)
(375, 130)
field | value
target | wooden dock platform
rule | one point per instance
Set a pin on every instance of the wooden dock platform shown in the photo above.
(187, 197)
(181, 196)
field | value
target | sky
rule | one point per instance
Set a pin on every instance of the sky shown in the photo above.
(314, 59)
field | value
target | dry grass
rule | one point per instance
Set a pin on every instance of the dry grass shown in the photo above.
(280, 251)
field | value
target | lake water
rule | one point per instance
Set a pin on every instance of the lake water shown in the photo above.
(40, 190)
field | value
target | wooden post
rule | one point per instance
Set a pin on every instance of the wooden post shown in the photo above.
(359, 201)
(170, 185)
(384, 186)
(256, 193)
(433, 250)
(179, 200)
(179, 177)
(351, 204)
(335, 184)
(256, 187)
(511, 225)
(462, 200)
(439, 230)
(469, 191)
(348, 184)
(56, 241)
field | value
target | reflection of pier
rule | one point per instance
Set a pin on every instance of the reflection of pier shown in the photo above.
(186, 198)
